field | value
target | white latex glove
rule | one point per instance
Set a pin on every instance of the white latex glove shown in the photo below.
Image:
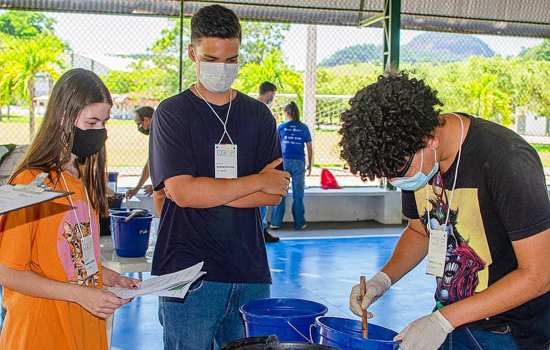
(426, 333)
(375, 287)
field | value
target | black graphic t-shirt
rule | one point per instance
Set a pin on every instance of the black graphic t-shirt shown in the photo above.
(500, 197)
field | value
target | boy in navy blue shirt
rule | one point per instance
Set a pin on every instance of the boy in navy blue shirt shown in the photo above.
(214, 151)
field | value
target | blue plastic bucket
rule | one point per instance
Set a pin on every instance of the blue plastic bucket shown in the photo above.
(289, 319)
(130, 238)
(124, 210)
(347, 334)
(115, 210)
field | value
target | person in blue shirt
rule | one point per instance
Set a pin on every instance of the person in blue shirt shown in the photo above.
(295, 137)
(214, 153)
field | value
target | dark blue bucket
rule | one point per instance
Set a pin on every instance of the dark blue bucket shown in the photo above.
(130, 238)
(123, 210)
(114, 210)
(288, 319)
(347, 334)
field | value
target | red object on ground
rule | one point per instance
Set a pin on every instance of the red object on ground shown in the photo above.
(328, 181)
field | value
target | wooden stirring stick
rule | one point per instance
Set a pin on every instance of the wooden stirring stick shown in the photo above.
(363, 287)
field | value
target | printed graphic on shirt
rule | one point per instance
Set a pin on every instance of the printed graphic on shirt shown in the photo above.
(293, 135)
(468, 255)
(69, 246)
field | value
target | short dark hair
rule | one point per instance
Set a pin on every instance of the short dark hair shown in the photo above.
(293, 111)
(266, 87)
(387, 122)
(215, 21)
(144, 112)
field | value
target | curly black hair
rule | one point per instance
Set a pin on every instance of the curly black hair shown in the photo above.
(387, 122)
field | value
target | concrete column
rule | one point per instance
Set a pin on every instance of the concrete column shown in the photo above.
(310, 79)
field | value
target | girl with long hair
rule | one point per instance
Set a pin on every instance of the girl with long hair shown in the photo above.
(50, 265)
(295, 137)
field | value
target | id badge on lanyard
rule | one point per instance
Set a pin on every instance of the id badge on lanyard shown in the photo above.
(225, 155)
(437, 251)
(88, 254)
(437, 247)
(86, 242)
(225, 160)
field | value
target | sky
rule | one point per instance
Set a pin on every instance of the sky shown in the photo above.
(110, 35)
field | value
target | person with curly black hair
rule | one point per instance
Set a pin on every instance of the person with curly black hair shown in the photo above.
(476, 199)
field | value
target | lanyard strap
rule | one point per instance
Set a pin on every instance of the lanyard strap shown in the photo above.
(69, 197)
(217, 116)
(456, 176)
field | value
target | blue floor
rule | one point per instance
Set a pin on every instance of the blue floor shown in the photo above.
(323, 270)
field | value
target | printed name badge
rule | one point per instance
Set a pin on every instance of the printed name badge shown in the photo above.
(437, 251)
(89, 256)
(225, 158)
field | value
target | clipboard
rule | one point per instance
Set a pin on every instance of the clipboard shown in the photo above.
(15, 197)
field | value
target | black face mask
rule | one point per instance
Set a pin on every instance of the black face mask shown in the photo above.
(88, 142)
(142, 130)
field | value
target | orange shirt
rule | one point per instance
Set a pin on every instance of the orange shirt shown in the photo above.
(45, 239)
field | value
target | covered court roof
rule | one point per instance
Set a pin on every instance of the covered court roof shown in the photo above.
(501, 17)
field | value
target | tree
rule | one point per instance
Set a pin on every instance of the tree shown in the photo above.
(165, 57)
(22, 24)
(346, 79)
(156, 75)
(147, 82)
(260, 39)
(23, 60)
(539, 52)
(274, 69)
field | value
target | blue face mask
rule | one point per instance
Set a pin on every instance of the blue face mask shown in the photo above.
(418, 180)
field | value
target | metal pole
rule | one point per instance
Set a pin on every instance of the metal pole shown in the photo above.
(310, 102)
(181, 48)
(392, 27)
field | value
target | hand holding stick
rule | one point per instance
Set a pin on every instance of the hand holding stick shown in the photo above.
(363, 287)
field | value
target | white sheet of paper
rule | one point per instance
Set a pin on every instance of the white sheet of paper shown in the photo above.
(178, 291)
(12, 199)
(163, 285)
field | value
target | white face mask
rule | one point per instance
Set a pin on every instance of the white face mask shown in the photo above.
(217, 77)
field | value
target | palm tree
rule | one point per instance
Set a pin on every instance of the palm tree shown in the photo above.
(23, 59)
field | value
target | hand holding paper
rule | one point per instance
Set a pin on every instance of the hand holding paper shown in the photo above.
(172, 285)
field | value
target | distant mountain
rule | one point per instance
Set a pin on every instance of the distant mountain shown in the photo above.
(353, 54)
(425, 47)
(446, 47)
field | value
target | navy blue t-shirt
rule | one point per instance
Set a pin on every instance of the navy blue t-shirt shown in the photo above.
(294, 135)
(184, 132)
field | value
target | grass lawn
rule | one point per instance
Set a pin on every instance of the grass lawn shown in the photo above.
(127, 148)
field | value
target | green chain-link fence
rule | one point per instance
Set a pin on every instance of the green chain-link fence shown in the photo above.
(504, 79)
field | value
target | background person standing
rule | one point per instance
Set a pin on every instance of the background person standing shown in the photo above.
(295, 137)
(267, 95)
(143, 117)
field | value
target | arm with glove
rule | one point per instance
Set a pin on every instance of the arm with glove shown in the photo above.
(410, 250)
(412, 247)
